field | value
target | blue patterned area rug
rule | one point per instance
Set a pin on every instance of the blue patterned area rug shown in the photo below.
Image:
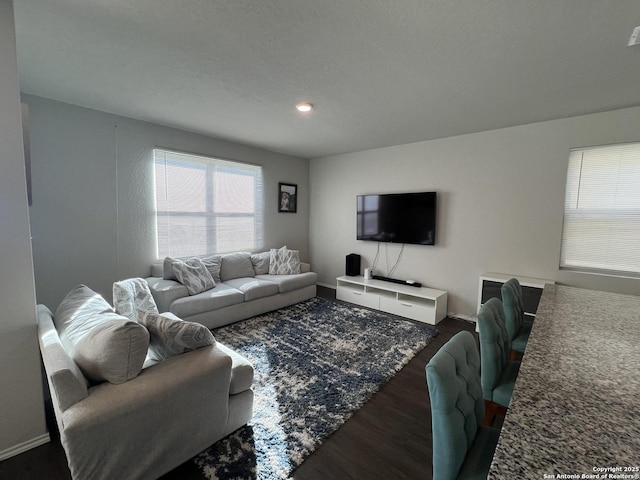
(315, 363)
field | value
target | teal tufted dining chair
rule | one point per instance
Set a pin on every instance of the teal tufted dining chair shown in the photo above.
(514, 316)
(498, 375)
(462, 447)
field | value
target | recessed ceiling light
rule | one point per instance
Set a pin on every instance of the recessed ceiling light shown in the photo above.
(304, 107)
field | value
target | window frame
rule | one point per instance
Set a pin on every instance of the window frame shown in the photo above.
(210, 165)
(619, 216)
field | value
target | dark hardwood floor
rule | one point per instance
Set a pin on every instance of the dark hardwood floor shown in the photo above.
(389, 438)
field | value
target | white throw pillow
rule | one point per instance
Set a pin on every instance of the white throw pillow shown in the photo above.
(170, 336)
(193, 274)
(132, 296)
(284, 261)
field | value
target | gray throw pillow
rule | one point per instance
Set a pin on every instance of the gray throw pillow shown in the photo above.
(260, 262)
(212, 262)
(193, 274)
(106, 346)
(172, 336)
(284, 261)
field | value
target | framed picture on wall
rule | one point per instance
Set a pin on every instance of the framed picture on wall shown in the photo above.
(287, 198)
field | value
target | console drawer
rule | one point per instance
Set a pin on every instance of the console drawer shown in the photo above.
(408, 309)
(358, 297)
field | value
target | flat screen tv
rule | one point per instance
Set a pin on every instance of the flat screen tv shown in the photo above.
(397, 217)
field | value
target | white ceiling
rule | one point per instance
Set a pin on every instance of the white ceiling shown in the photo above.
(380, 72)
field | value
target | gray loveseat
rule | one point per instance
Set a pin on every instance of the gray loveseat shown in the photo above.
(123, 415)
(243, 288)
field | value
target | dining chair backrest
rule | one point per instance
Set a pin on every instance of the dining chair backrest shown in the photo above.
(495, 344)
(513, 307)
(457, 405)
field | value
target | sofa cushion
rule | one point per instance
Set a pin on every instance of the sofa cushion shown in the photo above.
(260, 262)
(167, 270)
(284, 261)
(105, 345)
(241, 371)
(193, 274)
(236, 265)
(170, 336)
(131, 296)
(165, 292)
(157, 269)
(253, 288)
(219, 297)
(288, 283)
(213, 264)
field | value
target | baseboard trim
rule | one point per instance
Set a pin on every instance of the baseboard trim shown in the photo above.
(24, 446)
(327, 285)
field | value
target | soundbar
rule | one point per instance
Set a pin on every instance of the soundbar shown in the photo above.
(411, 283)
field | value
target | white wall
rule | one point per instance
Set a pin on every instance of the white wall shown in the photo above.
(501, 197)
(93, 219)
(22, 423)
(500, 194)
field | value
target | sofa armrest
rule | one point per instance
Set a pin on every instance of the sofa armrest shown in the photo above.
(152, 423)
(165, 292)
(67, 383)
(305, 267)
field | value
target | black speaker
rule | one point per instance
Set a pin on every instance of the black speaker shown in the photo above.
(353, 265)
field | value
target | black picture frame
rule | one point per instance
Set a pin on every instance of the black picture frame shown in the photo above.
(287, 197)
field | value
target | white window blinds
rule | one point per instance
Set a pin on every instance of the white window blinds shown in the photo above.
(602, 210)
(207, 205)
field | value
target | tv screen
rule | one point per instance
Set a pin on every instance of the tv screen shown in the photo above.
(397, 217)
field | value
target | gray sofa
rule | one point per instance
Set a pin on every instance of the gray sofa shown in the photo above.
(147, 418)
(243, 289)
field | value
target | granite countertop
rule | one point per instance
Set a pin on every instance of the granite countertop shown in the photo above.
(576, 405)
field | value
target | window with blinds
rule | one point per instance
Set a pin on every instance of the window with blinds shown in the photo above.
(601, 230)
(207, 205)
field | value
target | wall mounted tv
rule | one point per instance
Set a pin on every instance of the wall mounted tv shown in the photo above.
(397, 217)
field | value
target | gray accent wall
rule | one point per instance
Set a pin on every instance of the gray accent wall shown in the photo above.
(500, 204)
(93, 218)
(22, 422)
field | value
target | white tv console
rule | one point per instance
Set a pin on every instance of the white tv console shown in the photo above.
(418, 303)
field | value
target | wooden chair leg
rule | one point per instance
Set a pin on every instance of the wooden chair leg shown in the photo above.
(489, 413)
(491, 410)
(515, 355)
